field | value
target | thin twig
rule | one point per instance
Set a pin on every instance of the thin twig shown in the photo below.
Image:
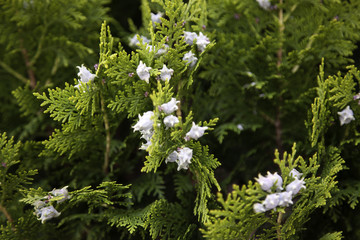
(28, 65)
(279, 225)
(13, 72)
(108, 136)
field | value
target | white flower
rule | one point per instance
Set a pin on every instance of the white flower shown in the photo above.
(195, 132)
(170, 107)
(259, 208)
(172, 157)
(265, 4)
(61, 192)
(145, 122)
(189, 37)
(268, 182)
(165, 73)
(170, 121)
(295, 186)
(85, 75)
(184, 158)
(163, 50)
(156, 17)
(202, 41)
(240, 127)
(47, 213)
(295, 173)
(143, 72)
(271, 201)
(346, 116)
(190, 58)
(38, 204)
(285, 199)
(147, 134)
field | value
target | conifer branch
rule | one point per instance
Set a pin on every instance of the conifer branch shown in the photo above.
(278, 230)
(39, 48)
(13, 72)
(108, 136)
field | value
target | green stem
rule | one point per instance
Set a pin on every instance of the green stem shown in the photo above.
(108, 136)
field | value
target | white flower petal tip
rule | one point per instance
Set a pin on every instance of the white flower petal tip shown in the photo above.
(170, 106)
(195, 132)
(166, 73)
(143, 72)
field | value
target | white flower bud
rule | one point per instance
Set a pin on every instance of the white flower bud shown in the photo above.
(156, 17)
(202, 41)
(145, 122)
(189, 37)
(265, 4)
(61, 192)
(195, 132)
(170, 106)
(271, 201)
(47, 213)
(346, 116)
(166, 73)
(184, 158)
(190, 58)
(143, 72)
(285, 199)
(268, 182)
(170, 121)
(295, 186)
(172, 157)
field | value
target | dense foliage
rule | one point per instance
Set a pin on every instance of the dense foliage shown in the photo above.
(166, 127)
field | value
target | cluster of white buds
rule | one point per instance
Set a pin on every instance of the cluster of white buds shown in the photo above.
(43, 211)
(200, 39)
(85, 76)
(144, 72)
(182, 157)
(145, 126)
(278, 199)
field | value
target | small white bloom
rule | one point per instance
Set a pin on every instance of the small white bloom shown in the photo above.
(172, 157)
(189, 37)
(163, 50)
(271, 201)
(143, 72)
(285, 199)
(166, 73)
(184, 158)
(156, 17)
(145, 122)
(38, 204)
(147, 134)
(170, 121)
(295, 186)
(346, 116)
(202, 41)
(259, 208)
(190, 58)
(266, 183)
(240, 127)
(170, 107)
(265, 4)
(61, 192)
(195, 132)
(85, 75)
(145, 146)
(295, 173)
(47, 213)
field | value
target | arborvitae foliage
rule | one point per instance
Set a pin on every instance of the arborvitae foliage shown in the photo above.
(121, 146)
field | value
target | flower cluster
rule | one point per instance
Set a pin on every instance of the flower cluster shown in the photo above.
(182, 157)
(44, 211)
(200, 39)
(85, 76)
(346, 116)
(145, 126)
(144, 72)
(278, 199)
